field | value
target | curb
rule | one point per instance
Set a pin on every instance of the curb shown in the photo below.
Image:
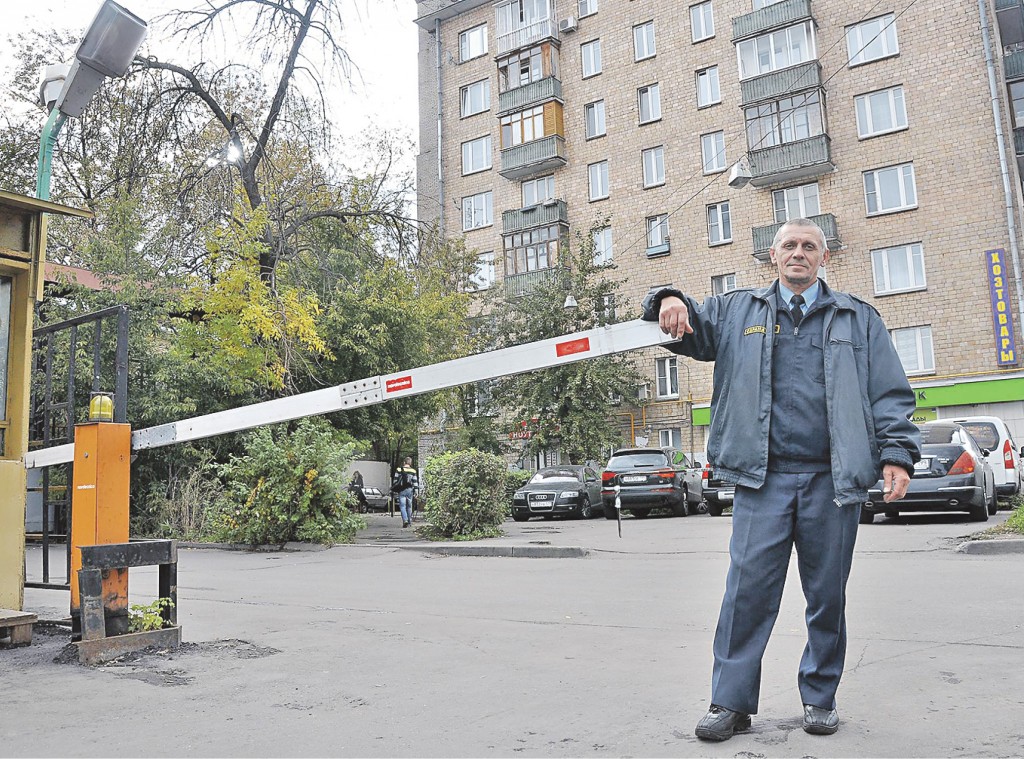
(992, 547)
(522, 552)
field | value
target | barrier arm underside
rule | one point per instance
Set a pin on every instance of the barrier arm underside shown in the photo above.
(579, 346)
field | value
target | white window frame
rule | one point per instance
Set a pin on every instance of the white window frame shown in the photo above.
(759, 55)
(863, 36)
(586, 8)
(719, 217)
(712, 152)
(919, 339)
(759, 4)
(702, 21)
(648, 98)
(474, 36)
(604, 252)
(653, 160)
(906, 187)
(666, 377)
(484, 276)
(786, 120)
(599, 122)
(890, 102)
(597, 180)
(477, 210)
(709, 90)
(471, 149)
(671, 438)
(466, 98)
(723, 283)
(644, 45)
(796, 202)
(657, 234)
(590, 58)
(537, 190)
(910, 257)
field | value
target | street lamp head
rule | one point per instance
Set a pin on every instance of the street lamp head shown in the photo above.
(570, 302)
(51, 83)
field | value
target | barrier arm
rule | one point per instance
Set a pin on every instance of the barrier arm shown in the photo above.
(556, 351)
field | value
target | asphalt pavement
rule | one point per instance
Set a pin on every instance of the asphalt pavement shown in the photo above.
(390, 648)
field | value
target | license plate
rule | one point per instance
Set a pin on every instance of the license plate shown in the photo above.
(923, 465)
(633, 478)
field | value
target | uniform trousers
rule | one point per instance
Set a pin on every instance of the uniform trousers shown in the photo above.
(789, 509)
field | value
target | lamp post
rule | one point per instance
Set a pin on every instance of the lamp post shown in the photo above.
(106, 50)
(689, 408)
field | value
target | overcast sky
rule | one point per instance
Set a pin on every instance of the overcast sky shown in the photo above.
(380, 37)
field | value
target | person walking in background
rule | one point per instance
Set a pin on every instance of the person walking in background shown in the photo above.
(355, 487)
(404, 485)
(810, 404)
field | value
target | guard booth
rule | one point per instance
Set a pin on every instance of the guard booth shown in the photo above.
(22, 256)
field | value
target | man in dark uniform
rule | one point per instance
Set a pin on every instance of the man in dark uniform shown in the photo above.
(810, 404)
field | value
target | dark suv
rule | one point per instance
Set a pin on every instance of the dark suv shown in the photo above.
(646, 479)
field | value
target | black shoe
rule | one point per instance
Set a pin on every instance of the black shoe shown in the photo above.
(818, 721)
(720, 723)
(405, 524)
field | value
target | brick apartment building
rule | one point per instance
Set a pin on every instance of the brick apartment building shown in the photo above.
(877, 120)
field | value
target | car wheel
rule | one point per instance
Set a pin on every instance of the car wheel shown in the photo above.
(993, 505)
(700, 508)
(978, 512)
(609, 512)
(585, 512)
(520, 517)
(866, 517)
(640, 513)
(715, 509)
(681, 508)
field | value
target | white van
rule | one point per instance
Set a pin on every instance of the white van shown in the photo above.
(992, 433)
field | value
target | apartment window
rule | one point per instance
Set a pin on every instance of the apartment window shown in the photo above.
(777, 50)
(800, 202)
(914, 347)
(475, 98)
(649, 99)
(723, 283)
(476, 155)
(872, 40)
(667, 376)
(702, 22)
(708, 92)
(719, 224)
(598, 176)
(759, 4)
(880, 112)
(712, 151)
(657, 235)
(785, 120)
(898, 269)
(483, 277)
(591, 52)
(643, 41)
(473, 42)
(594, 116)
(654, 166)
(520, 69)
(672, 438)
(538, 190)
(477, 211)
(516, 15)
(531, 250)
(606, 312)
(1017, 103)
(524, 126)
(586, 8)
(480, 398)
(602, 246)
(890, 189)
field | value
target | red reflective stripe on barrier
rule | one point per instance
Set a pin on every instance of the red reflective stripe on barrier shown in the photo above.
(398, 383)
(572, 346)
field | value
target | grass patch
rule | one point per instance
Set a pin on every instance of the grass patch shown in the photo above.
(1012, 527)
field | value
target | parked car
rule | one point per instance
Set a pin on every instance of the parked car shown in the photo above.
(992, 433)
(646, 479)
(569, 490)
(705, 492)
(376, 500)
(952, 475)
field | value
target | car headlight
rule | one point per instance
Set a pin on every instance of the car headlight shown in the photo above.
(520, 496)
(569, 495)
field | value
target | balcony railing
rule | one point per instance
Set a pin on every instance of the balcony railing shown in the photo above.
(1013, 66)
(763, 236)
(777, 84)
(530, 94)
(527, 35)
(1018, 140)
(533, 157)
(541, 215)
(770, 17)
(792, 160)
(517, 285)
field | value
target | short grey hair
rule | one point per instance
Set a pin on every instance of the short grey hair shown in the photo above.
(806, 224)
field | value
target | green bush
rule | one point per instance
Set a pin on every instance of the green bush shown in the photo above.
(289, 485)
(466, 494)
(516, 479)
(1015, 522)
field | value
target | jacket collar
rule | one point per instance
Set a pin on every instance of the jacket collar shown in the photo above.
(770, 295)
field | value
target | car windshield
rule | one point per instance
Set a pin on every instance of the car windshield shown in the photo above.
(638, 460)
(983, 432)
(555, 475)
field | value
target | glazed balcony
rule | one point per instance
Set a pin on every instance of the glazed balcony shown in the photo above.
(779, 84)
(774, 16)
(534, 157)
(791, 161)
(763, 236)
(1010, 17)
(541, 215)
(534, 93)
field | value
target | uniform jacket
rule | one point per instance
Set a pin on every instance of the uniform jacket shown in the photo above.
(868, 398)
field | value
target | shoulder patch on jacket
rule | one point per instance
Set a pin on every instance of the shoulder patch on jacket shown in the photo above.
(756, 329)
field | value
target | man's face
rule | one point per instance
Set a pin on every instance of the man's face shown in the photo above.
(798, 255)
